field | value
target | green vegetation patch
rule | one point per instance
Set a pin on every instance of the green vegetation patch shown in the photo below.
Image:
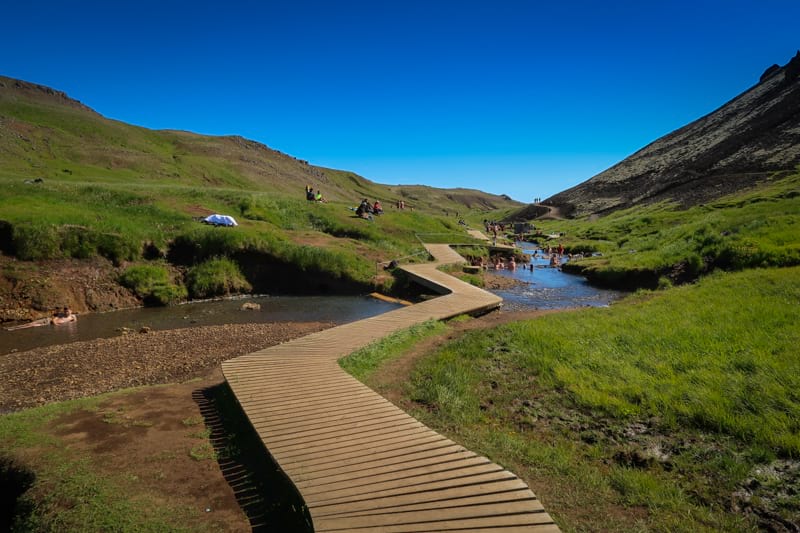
(216, 277)
(362, 363)
(686, 356)
(153, 284)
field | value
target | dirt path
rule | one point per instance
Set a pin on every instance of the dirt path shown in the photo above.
(554, 213)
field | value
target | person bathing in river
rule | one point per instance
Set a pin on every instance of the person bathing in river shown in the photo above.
(63, 316)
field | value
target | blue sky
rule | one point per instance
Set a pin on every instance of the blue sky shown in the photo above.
(525, 98)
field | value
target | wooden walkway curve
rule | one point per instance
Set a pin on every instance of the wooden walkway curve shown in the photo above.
(361, 463)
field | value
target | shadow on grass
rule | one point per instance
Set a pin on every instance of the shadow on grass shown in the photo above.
(266, 495)
(15, 480)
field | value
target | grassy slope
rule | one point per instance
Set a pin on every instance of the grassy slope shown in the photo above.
(45, 136)
(759, 227)
(620, 423)
(110, 187)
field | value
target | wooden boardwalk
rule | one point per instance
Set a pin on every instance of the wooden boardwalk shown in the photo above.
(361, 463)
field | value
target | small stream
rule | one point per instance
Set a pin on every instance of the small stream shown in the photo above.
(338, 309)
(545, 287)
(542, 288)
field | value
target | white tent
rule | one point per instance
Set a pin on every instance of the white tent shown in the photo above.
(220, 220)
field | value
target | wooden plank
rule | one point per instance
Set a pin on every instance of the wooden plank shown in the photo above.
(395, 450)
(416, 482)
(447, 496)
(517, 512)
(369, 468)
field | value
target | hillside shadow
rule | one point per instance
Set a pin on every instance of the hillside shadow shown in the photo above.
(265, 494)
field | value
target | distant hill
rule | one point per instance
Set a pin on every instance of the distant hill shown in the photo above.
(46, 134)
(749, 138)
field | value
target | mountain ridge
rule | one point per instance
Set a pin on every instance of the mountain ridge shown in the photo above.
(755, 134)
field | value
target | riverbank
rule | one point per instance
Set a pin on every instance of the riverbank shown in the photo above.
(33, 289)
(80, 369)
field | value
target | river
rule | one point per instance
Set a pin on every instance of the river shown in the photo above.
(545, 287)
(541, 288)
(338, 309)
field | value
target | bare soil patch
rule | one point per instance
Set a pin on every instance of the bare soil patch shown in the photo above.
(155, 437)
(30, 290)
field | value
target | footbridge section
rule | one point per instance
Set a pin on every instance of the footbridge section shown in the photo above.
(361, 463)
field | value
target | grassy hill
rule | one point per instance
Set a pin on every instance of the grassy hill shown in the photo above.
(45, 134)
(663, 244)
(76, 185)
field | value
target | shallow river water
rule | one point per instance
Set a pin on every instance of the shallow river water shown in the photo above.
(338, 309)
(542, 288)
(549, 288)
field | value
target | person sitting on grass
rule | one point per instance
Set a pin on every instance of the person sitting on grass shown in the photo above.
(364, 210)
(377, 209)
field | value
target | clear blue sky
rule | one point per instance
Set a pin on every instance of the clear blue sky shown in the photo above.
(525, 98)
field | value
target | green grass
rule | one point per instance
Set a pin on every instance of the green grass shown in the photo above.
(362, 363)
(128, 222)
(756, 228)
(216, 277)
(727, 362)
(584, 404)
(153, 284)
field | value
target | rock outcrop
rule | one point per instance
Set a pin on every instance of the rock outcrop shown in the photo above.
(751, 137)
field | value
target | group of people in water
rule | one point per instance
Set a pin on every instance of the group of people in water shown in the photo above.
(62, 315)
(500, 263)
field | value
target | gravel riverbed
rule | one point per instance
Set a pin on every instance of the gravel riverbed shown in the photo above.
(79, 369)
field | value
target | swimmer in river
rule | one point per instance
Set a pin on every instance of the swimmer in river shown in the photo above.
(59, 317)
(65, 316)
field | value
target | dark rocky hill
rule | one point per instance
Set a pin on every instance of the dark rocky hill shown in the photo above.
(749, 138)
